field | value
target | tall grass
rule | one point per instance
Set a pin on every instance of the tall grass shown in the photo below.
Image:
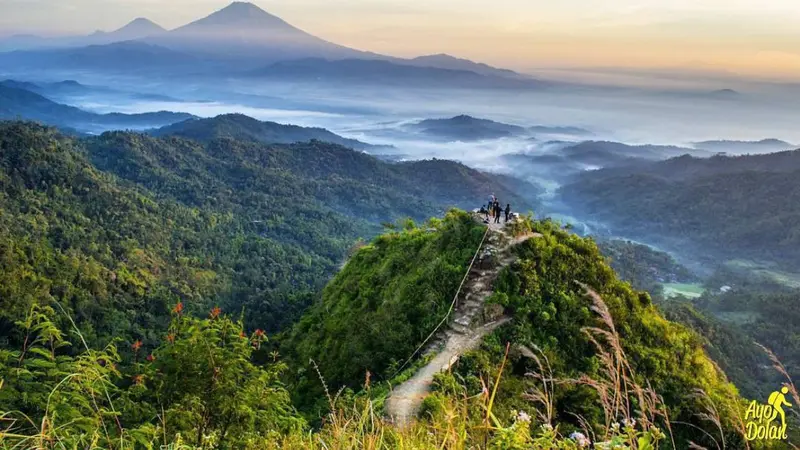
(634, 414)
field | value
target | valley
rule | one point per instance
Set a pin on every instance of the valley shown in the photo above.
(235, 233)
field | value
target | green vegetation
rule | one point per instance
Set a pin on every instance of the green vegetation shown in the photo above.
(244, 128)
(645, 268)
(613, 363)
(384, 302)
(118, 227)
(115, 256)
(716, 208)
(770, 319)
(689, 290)
(358, 320)
(140, 276)
(552, 310)
(198, 387)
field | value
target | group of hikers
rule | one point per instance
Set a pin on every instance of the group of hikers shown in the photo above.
(495, 210)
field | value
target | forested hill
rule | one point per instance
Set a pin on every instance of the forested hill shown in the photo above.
(280, 178)
(119, 228)
(19, 103)
(686, 167)
(244, 128)
(728, 207)
(393, 292)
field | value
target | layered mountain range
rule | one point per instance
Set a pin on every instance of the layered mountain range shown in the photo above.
(238, 39)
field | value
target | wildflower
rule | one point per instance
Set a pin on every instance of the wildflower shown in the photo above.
(580, 439)
(547, 427)
(136, 346)
(242, 334)
(151, 358)
(258, 337)
(615, 427)
(215, 312)
(629, 423)
(522, 416)
(138, 379)
(178, 309)
(171, 338)
(656, 433)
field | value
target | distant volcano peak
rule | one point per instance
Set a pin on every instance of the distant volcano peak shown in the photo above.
(241, 13)
(142, 24)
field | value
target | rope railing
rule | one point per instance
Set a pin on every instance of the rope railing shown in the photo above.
(449, 311)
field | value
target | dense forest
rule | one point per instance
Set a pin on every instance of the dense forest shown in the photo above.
(742, 207)
(736, 321)
(363, 325)
(244, 128)
(117, 227)
(208, 383)
(645, 268)
(173, 292)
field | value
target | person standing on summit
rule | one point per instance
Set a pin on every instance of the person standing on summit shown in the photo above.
(491, 204)
(497, 211)
(508, 210)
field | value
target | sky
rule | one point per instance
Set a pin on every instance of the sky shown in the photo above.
(752, 38)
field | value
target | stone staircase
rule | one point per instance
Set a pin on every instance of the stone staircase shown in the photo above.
(471, 320)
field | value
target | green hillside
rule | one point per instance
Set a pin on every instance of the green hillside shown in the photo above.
(385, 301)
(19, 103)
(244, 128)
(365, 323)
(118, 227)
(723, 207)
(138, 276)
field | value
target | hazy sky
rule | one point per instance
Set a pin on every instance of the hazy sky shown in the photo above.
(749, 37)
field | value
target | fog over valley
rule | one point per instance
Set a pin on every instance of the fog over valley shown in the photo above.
(422, 225)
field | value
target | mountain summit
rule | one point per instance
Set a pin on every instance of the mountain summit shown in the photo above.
(140, 26)
(445, 61)
(245, 32)
(239, 14)
(135, 29)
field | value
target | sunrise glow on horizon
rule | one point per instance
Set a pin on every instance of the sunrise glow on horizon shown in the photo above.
(742, 37)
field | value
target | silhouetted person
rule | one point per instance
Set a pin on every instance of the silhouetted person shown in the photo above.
(485, 212)
(497, 211)
(508, 210)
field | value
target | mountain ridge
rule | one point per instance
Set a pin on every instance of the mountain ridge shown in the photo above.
(18, 103)
(242, 127)
(237, 38)
(466, 128)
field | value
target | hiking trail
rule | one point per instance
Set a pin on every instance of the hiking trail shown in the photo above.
(470, 321)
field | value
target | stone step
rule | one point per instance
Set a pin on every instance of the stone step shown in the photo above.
(464, 320)
(472, 311)
(459, 328)
(508, 260)
(470, 305)
(477, 286)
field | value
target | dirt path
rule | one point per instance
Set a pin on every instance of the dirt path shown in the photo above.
(406, 400)
(470, 322)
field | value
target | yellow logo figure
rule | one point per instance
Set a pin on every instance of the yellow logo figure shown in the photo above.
(778, 400)
(761, 418)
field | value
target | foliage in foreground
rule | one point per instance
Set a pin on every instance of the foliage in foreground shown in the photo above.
(384, 302)
(199, 387)
(357, 329)
(200, 391)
